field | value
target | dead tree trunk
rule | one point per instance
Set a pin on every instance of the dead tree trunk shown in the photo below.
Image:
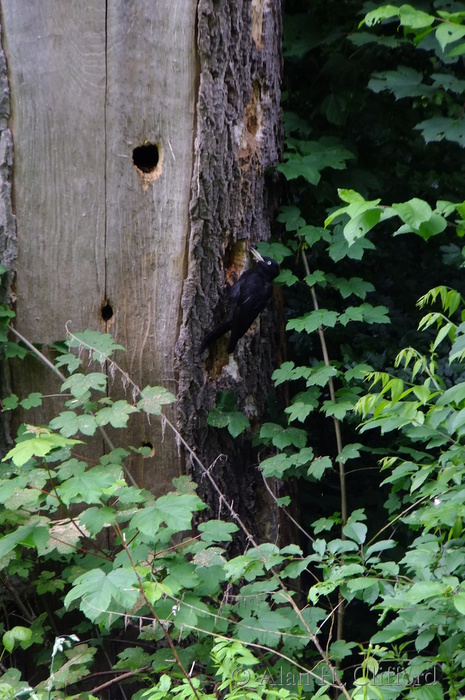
(238, 136)
(8, 247)
(103, 96)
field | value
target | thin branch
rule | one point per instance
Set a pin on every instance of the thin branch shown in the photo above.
(398, 517)
(27, 613)
(118, 679)
(38, 354)
(339, 445)
(332, 393)
(286, 512)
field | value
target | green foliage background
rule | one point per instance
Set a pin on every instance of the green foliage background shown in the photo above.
(111, 592)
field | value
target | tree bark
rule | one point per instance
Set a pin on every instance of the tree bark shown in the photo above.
(238, 137)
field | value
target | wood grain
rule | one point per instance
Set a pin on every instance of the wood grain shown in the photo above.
(56, 61)
(90, 82)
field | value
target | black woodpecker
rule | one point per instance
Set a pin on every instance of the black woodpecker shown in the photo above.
(248, 297)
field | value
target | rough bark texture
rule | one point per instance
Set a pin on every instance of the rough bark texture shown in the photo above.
(238, 137)
(8, 248)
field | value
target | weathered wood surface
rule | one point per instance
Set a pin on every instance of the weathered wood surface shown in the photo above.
(89, 83)
(8, 248)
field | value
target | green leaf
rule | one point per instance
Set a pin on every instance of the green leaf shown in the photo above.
(176, 510)
(226, 415)
(16, 634)
(320, 374)
(32, 401)
(413, 18)
(402, 82)
(80, 385)
(439, 128)
(32, 535)
(419, 218)
(454, 395)
(313, 234)
(95, 519)
(90, 486)
(95, 589)
(360, 584)
(117, 414)
(275, 250)
(217, 531)
(355, 531)
(351, 451)
(100, 345)
(41, 443)
(69, 360)
(448, 33)
(311, 321)
(424, 590)
(380, 14)
(237, 423)
(338, 408)
(347, 287)
(11, 350)
(154, 398)
(318, 467)
(314, 157)
(289, 372)
(300, 167)
(290, 216)
(69, 423)
(283, 437)
(365, 313)
(432, 691)
(303, 404)
(317, 277)
(459, 602)
(9, 403)
(380, 546)
(276, 466)
(286, 277)
(357, 205)
(340, 248)
(457, 351)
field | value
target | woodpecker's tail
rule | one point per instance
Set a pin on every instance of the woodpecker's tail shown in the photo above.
(214, 334)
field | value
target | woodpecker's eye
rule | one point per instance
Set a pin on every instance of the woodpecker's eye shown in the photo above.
(269, 262)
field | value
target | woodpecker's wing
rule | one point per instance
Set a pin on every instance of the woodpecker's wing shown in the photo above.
(250, 298)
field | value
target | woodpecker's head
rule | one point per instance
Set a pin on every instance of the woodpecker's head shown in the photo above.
(268, 265)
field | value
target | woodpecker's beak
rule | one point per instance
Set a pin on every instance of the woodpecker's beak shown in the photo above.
(255, 254)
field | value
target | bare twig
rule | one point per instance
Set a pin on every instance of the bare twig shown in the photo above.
(118, 679)
(286, 512)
